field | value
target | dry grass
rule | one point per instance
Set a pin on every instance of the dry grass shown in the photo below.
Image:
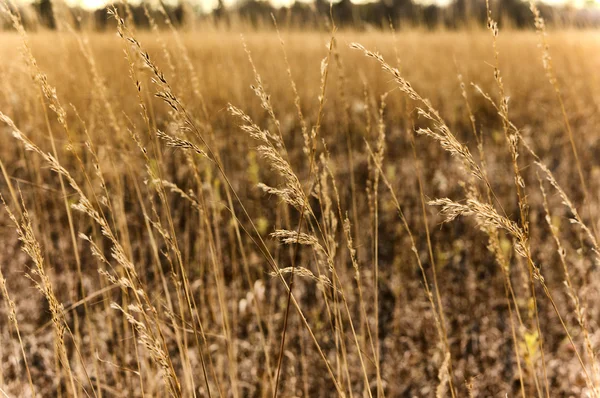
(191, 213)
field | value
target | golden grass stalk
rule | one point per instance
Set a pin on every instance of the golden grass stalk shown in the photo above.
(39, 277)
(579, 311)
(428, 292)
(132, 281)
(12, 318)
(540, 27)
(488, 217)
(494, 244)
(166, 94)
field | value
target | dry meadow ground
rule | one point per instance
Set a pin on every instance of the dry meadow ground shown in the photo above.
(163, 193)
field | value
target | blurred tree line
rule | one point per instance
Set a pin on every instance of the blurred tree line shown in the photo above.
(409, 13)
(376, 14)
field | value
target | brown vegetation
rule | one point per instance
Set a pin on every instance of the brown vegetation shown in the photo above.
(195, 213)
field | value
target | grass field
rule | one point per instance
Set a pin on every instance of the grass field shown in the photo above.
(433, 212)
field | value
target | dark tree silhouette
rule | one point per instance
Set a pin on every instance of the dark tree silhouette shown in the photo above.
(46, 14)
(347, 14)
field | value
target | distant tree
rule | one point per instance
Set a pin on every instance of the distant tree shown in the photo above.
(460, 11)
(220, 11)
(45, 12)
(403, 10)
(432, 16)
(343, 13)
(256, 12)
(177, 14)
(514, 12)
